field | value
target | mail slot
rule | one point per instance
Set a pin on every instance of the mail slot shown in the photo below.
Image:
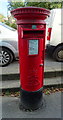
(34, 33)
(31, 43)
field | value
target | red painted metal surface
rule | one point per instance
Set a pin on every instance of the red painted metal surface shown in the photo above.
(31, 65)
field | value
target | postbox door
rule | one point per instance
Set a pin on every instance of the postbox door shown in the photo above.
(37, 63)
(31, 63)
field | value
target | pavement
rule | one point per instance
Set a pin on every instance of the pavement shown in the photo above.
(51, 108)
(15, 84)
(53, 74)
(52, 104)
(51, 69)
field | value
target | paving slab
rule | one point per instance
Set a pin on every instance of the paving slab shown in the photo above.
(51, 107)
(11, 84)
(51, 69)
(48, 66)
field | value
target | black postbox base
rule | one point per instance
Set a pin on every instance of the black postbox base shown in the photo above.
(31, 100)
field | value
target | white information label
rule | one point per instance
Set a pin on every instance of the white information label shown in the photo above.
(33, 47)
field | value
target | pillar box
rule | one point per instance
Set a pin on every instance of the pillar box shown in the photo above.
(31, 44)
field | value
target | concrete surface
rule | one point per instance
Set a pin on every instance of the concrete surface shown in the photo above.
(49, 65)
(51, 107)
(9, 76)
(51, 69)
(16, 83)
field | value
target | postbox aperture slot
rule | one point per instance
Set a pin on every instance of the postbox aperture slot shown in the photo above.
(33, 47)
(33, 33)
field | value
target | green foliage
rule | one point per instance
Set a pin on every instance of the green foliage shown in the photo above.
(14, 5)
(48, 5)
(1, 18)
(56, 5)
(13, 25)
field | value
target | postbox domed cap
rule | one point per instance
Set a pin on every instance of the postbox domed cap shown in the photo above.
(30, 13)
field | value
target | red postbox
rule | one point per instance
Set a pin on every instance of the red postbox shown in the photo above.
(31, 43)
